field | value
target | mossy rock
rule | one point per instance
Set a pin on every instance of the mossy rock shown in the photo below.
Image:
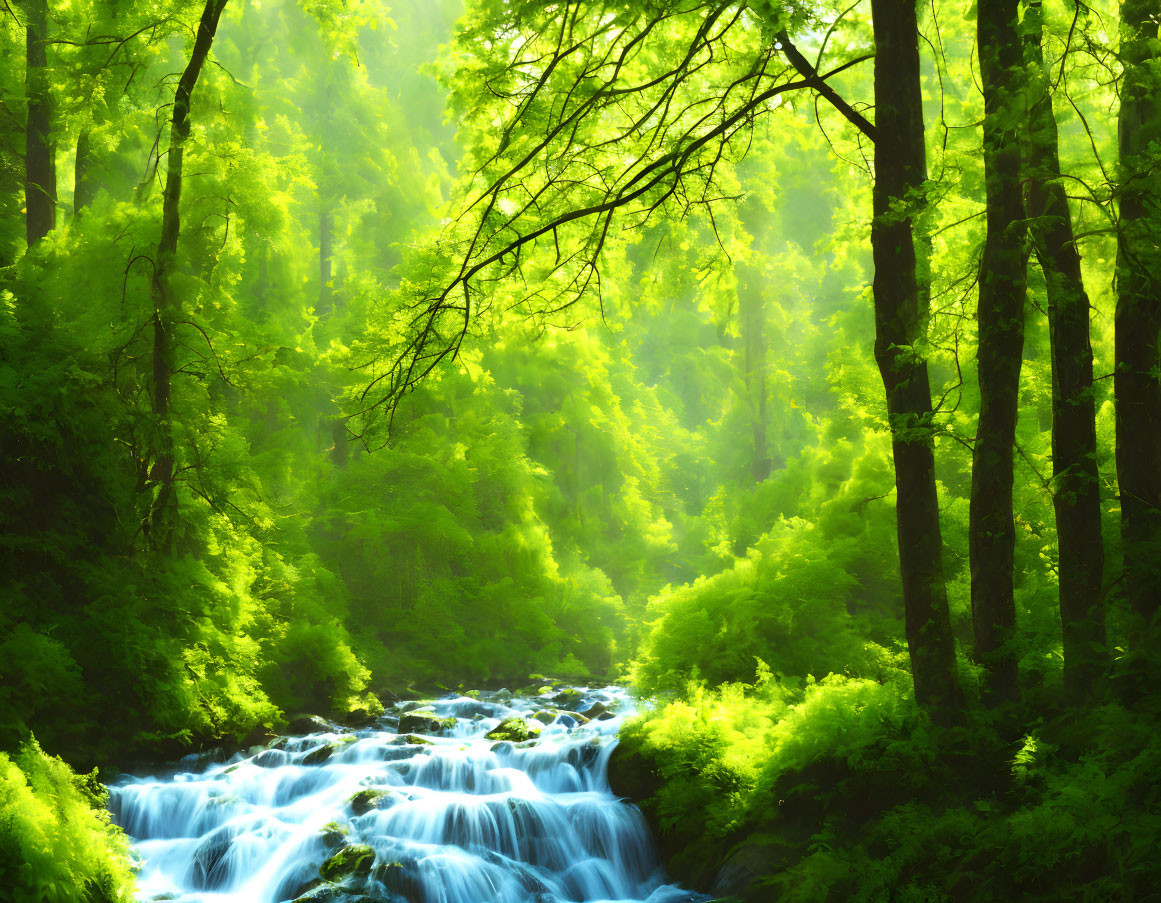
(321, 755)
(545, 717)
(416, 740)
(356, 859)
(568, 698)
(334, 834)
(329, 893)
(366, 800)
(426, 722)
(514, 730)
(400, 877)
(598, 711)
(307, 724)
(472, 694)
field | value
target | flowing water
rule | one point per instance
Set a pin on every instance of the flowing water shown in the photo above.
(439, 815)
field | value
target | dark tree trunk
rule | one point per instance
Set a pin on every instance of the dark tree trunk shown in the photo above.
(39, 162)
(167, 308)
(1138, 317)
(1003, 286)
(84, 185)
(1076, 488)
(341, 444)
(901, 309)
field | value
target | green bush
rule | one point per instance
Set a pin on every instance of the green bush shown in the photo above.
(56, 842)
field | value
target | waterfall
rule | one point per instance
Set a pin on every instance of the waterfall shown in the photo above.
(492, 799)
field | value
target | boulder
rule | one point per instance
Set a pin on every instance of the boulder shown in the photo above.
(598, 711)
(568, 698)
(319, 754)
(259, 735)
(425, 722)
(631, 774)
(742, 873)
(329, 893)
(401, 876)
(270, 758)
(366, 800)
(333, 835)
(307, 724)
(359, 717)
(416, 740)
(356, 859)
(514, 730)
(209, 869)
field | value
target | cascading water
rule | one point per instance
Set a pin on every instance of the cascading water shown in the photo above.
(421, 807)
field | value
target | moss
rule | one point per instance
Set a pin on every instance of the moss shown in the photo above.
(426, 722)
(333, 833)
(366, 800)
(353, 860)
(514, 730)
(569, 696)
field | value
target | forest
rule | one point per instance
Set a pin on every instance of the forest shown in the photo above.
(794, 366)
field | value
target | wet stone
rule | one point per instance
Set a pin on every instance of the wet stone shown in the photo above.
(514, 730)
(353, 860)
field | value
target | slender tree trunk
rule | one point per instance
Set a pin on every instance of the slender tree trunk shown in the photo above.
(901, 309)
(1003, 286)
(325, 254)
(752, 317)
(1138, 316)
(166, 307)
(39, 162)
(1076, 489)
(84, 186)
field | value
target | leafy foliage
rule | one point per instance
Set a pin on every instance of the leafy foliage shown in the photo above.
(56, 842)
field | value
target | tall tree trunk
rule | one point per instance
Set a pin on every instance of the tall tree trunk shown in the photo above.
(1003, 286)
(1138, 317)
(326, 226)
(1076, 489)
(39, 162)
(84, 185)
(752, 317)
(166, 307)
(901, 310)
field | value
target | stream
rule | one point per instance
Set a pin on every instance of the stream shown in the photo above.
(421, 806)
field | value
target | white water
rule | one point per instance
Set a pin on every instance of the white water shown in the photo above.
(462, 820)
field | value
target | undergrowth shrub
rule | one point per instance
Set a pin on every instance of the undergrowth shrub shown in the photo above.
(57, 844)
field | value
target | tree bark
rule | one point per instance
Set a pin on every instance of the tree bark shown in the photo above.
(752, 317)
(901, 310)
(84, 187)
(39, 162)
(325, 255)
(166, 307)
(1003, 286)
(1137, 384)
(1076, 488)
